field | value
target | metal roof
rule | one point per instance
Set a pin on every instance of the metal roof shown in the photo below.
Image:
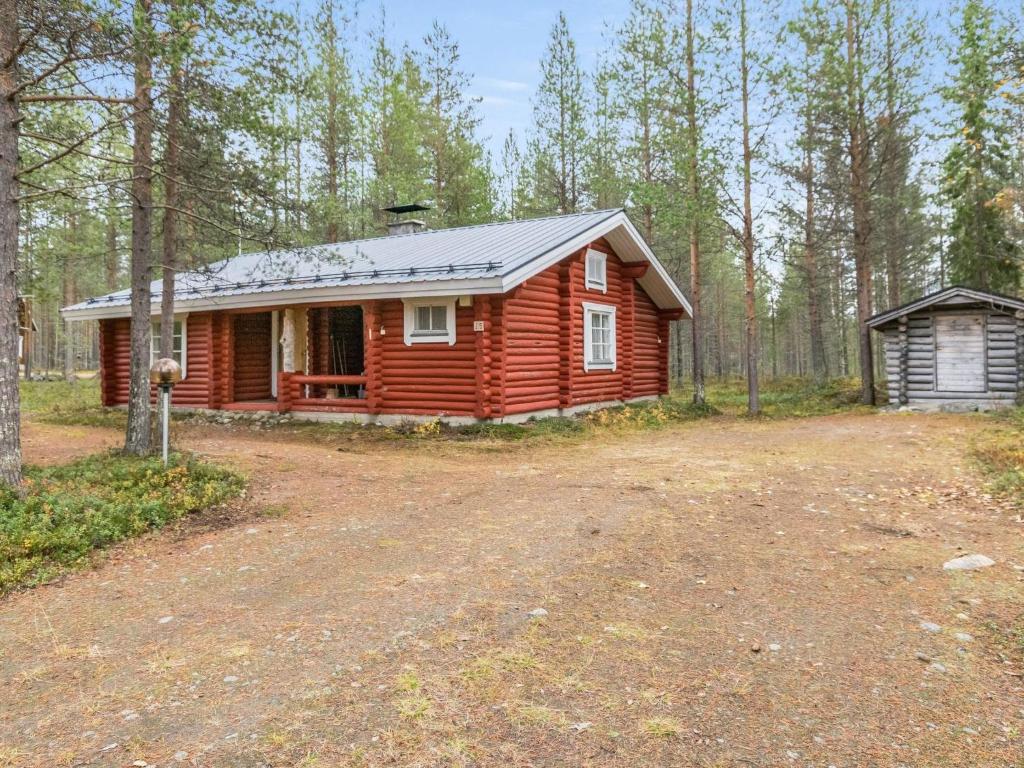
(947, 295)
(485, 258)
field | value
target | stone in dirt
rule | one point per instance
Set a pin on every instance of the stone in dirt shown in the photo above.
(930, 626)
(538, 613)
(968, 563)
(964, 637)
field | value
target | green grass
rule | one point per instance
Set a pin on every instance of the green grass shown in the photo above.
(78, 404)
(788, 397)
(999, 450)
(65, 513)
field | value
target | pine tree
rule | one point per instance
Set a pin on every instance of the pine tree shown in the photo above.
(559, 110)
(981, 252)
(459, 168)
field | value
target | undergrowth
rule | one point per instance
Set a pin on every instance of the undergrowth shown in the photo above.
(66, 512)
(1000, 452)
(788, 397)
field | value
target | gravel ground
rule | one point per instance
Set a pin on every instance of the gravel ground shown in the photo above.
(722, 593)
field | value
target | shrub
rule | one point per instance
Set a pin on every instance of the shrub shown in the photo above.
(66, 512)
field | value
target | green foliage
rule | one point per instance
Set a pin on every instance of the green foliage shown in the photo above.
(976, 170)
(65, 513)
(559, 113)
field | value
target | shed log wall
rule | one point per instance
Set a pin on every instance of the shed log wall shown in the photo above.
(911, 361)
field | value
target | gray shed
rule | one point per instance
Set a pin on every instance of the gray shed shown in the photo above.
(955, 346)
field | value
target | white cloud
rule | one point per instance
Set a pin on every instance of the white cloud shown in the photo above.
(503, 85)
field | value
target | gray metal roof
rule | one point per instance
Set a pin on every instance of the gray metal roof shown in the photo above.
(486, 258)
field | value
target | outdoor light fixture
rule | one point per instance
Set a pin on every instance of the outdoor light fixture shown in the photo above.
(165, 373)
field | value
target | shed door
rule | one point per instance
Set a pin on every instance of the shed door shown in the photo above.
(960, 353)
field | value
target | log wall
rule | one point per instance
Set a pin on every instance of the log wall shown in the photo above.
(910, 358)
(527, 357)
(432, 378)
(196, 390)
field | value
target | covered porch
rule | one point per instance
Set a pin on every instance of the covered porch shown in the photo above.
(305, 358)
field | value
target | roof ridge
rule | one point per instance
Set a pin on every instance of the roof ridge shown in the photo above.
(481, 225)
(226, 259)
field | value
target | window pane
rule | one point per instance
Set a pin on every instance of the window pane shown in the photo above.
(422, 319)
(439, 318)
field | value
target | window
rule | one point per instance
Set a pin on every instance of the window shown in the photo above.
(599, 337)
(180, 326)
(597, 271)
(430, 321)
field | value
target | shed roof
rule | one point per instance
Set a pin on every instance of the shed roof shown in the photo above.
(485, 258)
(949, 297)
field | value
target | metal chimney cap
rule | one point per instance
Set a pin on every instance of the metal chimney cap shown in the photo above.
(407, 208)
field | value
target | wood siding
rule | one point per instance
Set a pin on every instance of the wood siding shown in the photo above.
(528, 357)
(432, 378)
(252, 356)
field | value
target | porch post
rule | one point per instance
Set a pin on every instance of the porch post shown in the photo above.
(288, 342)
(373, 355)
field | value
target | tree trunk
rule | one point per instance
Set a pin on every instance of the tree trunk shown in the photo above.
(859, 197)
(694, 225)
(753, 397)
(137, 436)
(10, 404)
(67, 299)
(110, 264)
(891, 218)
(331, 133)
(819, 364)
(172, 171)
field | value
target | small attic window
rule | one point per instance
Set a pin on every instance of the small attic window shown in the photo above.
(597, 271)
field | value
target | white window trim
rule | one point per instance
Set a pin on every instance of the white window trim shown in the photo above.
(448, 302)
(183, 319)
(592, 282)
(589, 364)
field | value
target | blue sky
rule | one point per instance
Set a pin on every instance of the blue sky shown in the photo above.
(501, 44)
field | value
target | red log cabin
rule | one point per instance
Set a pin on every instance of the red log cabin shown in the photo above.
(496, 322)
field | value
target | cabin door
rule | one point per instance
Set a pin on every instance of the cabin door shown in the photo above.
(253, 356)
(960, 353)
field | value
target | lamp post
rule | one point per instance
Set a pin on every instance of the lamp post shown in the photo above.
(165, 373)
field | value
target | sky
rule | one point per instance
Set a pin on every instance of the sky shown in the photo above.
(502, 44)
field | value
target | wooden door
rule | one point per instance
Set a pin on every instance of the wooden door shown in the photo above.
(252, 332)
(960, 353)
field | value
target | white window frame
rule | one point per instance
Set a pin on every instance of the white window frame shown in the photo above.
(589, 363)
(412, 337)
(154, 341)
(596, 277)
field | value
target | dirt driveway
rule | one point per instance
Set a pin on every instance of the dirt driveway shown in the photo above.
(716, 594)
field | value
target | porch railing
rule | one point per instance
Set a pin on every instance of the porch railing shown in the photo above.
(292, 394)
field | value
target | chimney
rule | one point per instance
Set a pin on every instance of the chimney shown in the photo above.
(406, 226)
(398, 226)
